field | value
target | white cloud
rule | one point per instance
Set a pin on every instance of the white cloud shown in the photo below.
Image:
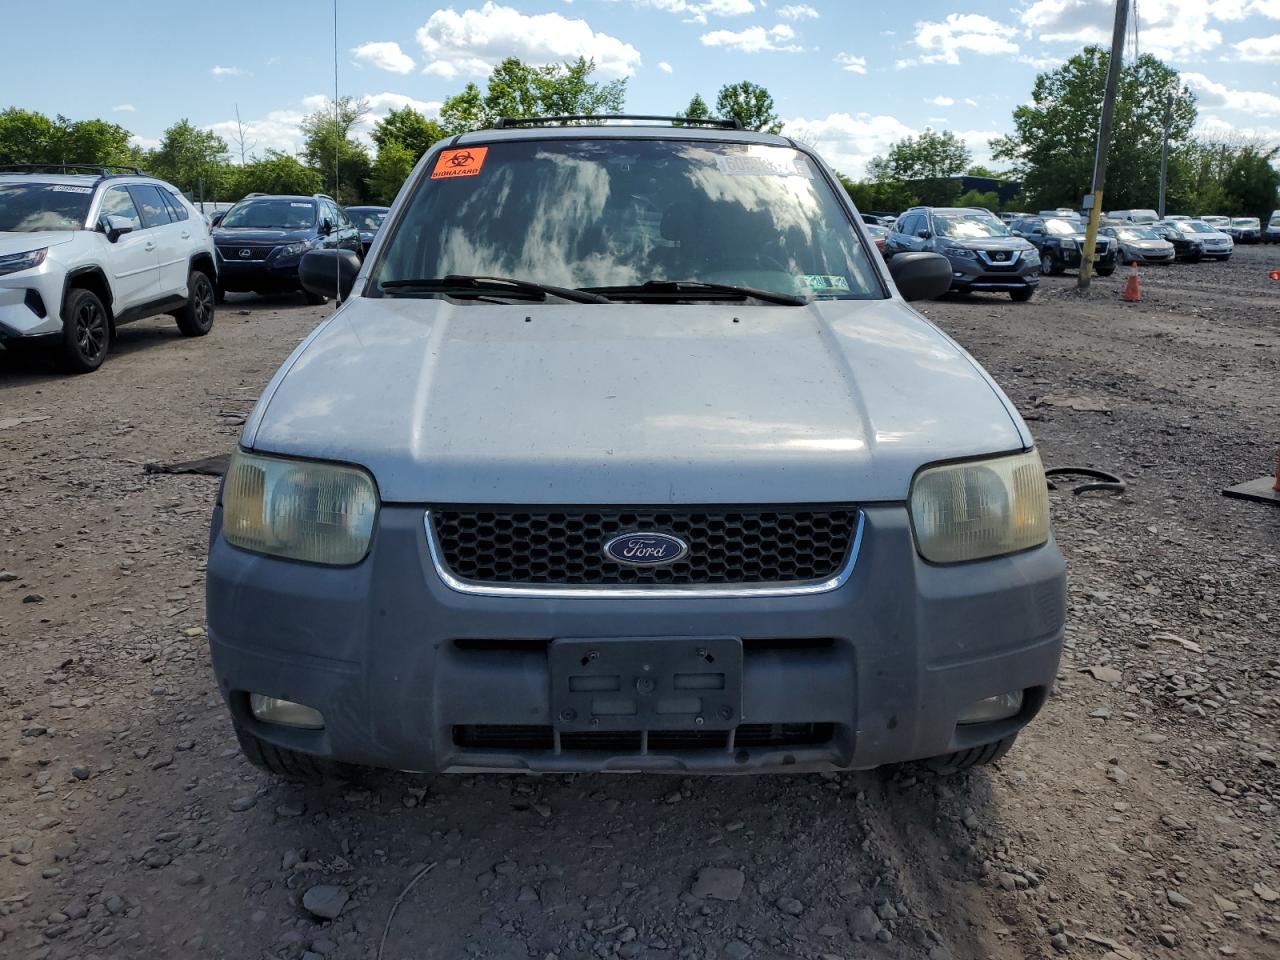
(941, 101)
(942, 42)
(903, 64)
(1214, 94)
(1170, 29)
(1233, 10)
(1215, 128)
(146, 143)
(385, 55)
(852, 63)
(970, 101)
(124, 108)
(699, 12)
(226, 71)
(754, 39)
(798, 11)
(664, 66)
(848, 141)
(1259, 49)
(471, 43)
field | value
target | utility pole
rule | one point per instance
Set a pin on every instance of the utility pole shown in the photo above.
(1164, 148)
(1104, 141)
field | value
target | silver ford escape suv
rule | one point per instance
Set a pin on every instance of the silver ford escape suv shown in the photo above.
(625, 452)
(984, 254)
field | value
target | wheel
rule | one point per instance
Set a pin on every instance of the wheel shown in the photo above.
(978, 756)
(290, 764)
(1106, 271)
(86, 331)
(196, 318)
(314, 299)
(1022, 296)
(1049, 264)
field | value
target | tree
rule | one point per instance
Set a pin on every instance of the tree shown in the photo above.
(27, 137)
(390, 170)
(93, 141)
(187, 155)
(1052, 145)
(327, 140)
(1252, 182)
(696, 110)
(749, 103)
(274, 173)
(516, 89)
(932, 155)
(408, 128)
(978, 170)
(244, 146)
(973, 198)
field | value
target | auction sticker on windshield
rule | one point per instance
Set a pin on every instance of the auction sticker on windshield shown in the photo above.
(459, 163)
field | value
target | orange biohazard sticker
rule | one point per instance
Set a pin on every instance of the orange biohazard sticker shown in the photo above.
(459, 163)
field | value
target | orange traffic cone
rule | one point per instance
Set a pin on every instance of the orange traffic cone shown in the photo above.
(1274, 274)
(1132, 289)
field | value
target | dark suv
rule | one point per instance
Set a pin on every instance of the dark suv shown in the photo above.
(1060, 239)
(984, 255)
(262, 238)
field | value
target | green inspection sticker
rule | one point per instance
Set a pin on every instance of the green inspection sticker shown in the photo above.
(821, 281)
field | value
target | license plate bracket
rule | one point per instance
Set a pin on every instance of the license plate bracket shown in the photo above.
(646, 683)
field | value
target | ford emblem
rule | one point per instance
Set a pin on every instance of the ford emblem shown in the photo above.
(646, 549)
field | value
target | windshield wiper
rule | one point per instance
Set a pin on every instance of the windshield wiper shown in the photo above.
(505, 286)
(697, 290)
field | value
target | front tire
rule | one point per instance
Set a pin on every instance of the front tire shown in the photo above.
(979, 756)
(196, 318)
(1022, 296)
(86, 332)
(290, 764)
(1049, 264)
(1106, 271)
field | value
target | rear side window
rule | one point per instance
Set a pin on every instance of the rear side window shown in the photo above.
(117, 202)
(155, 213)
(177, 209)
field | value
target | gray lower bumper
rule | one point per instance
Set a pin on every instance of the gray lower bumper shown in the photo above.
(397, 661)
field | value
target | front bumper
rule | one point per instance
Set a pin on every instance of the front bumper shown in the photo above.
(31, 302)
(265, 275)
(399, 663)
(996, 276)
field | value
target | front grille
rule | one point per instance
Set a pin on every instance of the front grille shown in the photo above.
(567, 547)
(541, 739)
(231, 251)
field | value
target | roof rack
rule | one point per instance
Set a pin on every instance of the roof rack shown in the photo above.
(507, 123)
(101, 169)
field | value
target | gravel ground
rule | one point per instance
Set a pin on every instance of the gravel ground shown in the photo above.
(1137, 818)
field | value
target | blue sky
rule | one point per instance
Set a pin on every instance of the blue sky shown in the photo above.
(849, 76)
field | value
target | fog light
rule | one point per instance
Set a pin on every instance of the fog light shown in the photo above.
(1001, 707)
(285, 712)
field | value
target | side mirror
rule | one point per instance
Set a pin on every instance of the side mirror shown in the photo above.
(921, 276)
(329, 273)
(116, 227)
(217, 218)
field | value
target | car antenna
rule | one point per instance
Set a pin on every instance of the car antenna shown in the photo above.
(337, 157)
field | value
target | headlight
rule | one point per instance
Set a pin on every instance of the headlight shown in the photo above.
(318, 512)
(959, 252)
(292, 250)
(982, 508)
(1069, 244)
(13, 262)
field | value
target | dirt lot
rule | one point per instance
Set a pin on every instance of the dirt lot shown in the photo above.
(1137, 818)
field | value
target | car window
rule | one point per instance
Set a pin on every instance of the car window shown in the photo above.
(368, 219)
(272, 213)
(1244, 222)
(342, 216)
(620, 212)
(177, 208)
(28, 207)
(906, 224)
(968, 226)
(155, 212)
(117, 202)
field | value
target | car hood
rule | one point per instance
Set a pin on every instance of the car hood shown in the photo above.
(990, 243)
(633, 403)
(258, 235)
(21, 241)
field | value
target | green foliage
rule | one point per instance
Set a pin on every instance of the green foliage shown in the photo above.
(973, 198)
(274, 173)
(697, 109)
(886, 196)
(978, 170)
(931, 155)
(327, 141)
(187, 155)
(409, 129)
(750, 103)
(30, 137)
(27, 137)
(390, 170)
(1052, 145)
(1252, 182)
(516, 89)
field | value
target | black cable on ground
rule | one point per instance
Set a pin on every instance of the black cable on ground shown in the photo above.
(1103, 482)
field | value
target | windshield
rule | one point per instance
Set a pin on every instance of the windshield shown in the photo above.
(1137, 233)
(271, 214)
(28, 207)
(1194, 226)
(620, 212)
(1244, 222)
(1275, 222)
(1063, 228)
(965, 226)
(367, 219)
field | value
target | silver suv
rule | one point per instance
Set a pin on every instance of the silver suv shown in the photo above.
(984, 254)
(626, 452)
(86, 249)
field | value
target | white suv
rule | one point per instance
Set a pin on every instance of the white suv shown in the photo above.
(84, 250)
